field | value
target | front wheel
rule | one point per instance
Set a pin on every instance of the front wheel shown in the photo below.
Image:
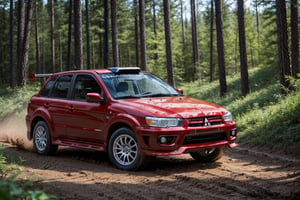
(123, 150)
(208, 155)
(42, 139)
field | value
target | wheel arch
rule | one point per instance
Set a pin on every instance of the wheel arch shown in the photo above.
(115, 126)
(35, 120)
(121, 121)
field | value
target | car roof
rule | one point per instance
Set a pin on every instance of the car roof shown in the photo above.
(99, 71)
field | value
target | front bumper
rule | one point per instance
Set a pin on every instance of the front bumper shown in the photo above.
(185, 139)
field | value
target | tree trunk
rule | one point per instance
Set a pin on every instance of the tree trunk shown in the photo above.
(87, 26)
(60, 53)
(154, 29)
(257, 21)
(220, 46)
(211, 51)
(78, 34)
(194, 39)
(295, 37)
(136, 34)
(106, 34)
(142, 34)
(282, 40)
(69, 61)
(114, 26)
(51, 2)
(93, 54)
(37, 42)
(25, 48)
(168, 42)
(21, 24)
(182, 26)
(243, 49)
(11, 41)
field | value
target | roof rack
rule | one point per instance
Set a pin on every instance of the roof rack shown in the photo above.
(33, 76)
(125, 70)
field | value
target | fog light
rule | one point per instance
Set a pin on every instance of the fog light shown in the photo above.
(163, 140)
(166, 139)
(233, 132)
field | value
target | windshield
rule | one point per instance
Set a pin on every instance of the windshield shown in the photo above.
(122, 86)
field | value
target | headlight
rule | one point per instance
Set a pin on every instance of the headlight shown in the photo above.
(228, 117)
(163, 122)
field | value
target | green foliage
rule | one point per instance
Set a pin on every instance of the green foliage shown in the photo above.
(260, 35)
(264, 117)
(12, 188)
(14, 100)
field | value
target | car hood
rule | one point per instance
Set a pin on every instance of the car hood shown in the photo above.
(183, 107)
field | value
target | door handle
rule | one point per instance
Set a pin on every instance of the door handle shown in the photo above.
(71, 108)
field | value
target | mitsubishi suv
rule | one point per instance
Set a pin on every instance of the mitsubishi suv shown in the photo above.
(128, 113)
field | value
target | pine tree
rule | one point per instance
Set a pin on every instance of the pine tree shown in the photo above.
(243, 49)
(87, 30)
(194, 39)
(25, 45)
(142, 34)
(220, 44)
(11, 41)
(295, 38)
(69, 61)
(51, 3)
(78, 34)
(168, 42)
(114, 27)
(21, 25)
(282, 41)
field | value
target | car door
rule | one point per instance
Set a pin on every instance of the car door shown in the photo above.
(86, 121)
(57, 104)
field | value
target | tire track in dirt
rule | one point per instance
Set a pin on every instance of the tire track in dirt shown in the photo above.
(240, 174)
(243, 189)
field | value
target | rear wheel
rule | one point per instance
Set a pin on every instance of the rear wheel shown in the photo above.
(42, 139)
(208, 155)
(123, 150)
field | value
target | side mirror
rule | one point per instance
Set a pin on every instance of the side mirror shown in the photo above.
(180, 90)
(94, 98)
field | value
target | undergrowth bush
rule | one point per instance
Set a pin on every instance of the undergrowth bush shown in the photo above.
(264, 117)
(12, 188)
(14, 100)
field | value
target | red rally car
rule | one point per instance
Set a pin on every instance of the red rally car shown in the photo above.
(128, 113)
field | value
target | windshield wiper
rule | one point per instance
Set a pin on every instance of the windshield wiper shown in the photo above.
(127, 97)
(161, 95)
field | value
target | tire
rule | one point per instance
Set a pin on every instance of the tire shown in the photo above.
(208, 155)
(123, 150)
(42, 139)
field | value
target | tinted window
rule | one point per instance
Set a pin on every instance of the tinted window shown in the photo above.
(61, 87)
(85, 84)
(45, 91)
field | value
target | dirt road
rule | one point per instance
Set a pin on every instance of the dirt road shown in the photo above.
(243, 173)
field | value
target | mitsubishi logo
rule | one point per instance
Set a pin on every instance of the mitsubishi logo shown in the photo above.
(206, 122)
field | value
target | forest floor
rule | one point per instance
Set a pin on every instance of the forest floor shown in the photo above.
(243, 173)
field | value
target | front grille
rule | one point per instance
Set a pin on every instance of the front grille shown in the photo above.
(202, 138)
(205, 121)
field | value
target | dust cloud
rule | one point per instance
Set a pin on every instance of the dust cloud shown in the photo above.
(13, 130)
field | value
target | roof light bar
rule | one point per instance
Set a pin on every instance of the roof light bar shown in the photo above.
(125, 70)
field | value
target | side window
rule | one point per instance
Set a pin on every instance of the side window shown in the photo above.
(61, 87)
(85, 84)
(45, 91)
